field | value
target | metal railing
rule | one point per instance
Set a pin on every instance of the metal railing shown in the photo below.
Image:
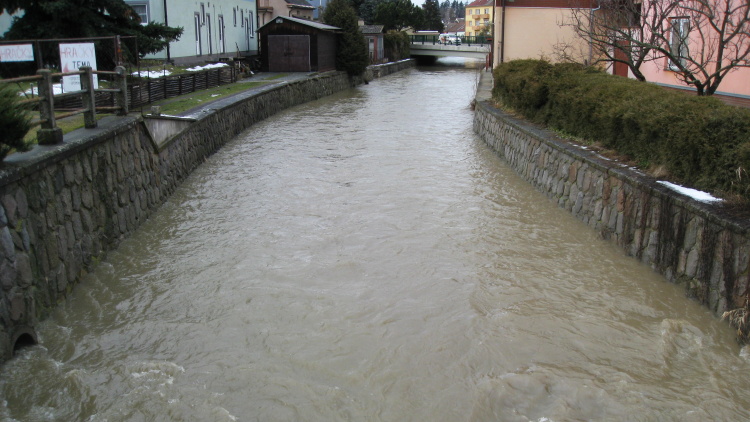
(48, 132)
(437, 39)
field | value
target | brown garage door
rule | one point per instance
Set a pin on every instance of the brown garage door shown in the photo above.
(288, 53)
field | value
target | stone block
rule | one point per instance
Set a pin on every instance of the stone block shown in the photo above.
(69, 173)
(17, 306)
(7, 246)
(61, 278)
(691, 264)
(22, 204)
(75, 196)
(10, 206)
(8, 274)
(23, 269)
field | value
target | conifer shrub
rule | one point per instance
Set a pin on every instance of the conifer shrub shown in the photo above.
(352, 54)
(15, 122)
(396, 45)
(700, 141)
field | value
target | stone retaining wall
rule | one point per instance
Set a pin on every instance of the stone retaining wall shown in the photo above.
(689, 242)
(63, 207)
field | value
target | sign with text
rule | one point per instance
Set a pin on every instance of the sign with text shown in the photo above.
(73, 56)
(17, 53)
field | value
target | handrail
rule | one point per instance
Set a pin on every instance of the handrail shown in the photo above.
(49, 133)
(464, 40)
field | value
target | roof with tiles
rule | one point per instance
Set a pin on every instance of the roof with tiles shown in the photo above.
(372, 29)
(481, 3)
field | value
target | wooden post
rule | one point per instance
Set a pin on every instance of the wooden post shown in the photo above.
(122, 95)
(88, 97)
(49, 133)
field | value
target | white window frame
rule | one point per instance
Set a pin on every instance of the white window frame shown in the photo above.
(210, 36)
(222, 34)
(250, 23)
(198, 41)
(679, 27)
(145, 4)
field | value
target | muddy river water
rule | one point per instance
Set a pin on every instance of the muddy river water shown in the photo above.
(366, 257)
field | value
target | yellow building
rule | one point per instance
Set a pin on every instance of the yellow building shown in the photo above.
(480, 17)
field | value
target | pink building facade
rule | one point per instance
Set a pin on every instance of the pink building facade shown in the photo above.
(701, 41)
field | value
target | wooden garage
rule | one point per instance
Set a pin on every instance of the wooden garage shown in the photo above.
(296, 45)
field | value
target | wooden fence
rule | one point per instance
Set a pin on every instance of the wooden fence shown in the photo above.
(85, 100)
(125, 95)
(144, 91)
(148, 90)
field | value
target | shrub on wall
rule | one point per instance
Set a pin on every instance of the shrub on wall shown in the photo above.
(700, 141)
(14, 122)
(396, 45)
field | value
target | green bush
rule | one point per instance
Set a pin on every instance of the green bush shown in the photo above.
(700, 141)
(396, 45)
(15, 122)
(352, 54)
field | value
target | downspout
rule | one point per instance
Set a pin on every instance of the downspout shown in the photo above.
(591, 32)
(166, 23)
(502, 35)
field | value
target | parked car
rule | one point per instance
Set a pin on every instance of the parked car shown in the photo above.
(449, 39)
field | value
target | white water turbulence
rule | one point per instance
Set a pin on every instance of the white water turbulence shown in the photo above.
(365, 257)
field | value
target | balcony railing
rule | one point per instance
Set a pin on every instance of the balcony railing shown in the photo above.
(264, 5)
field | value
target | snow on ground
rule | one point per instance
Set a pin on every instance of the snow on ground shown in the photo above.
(693, 193)
(56, 88)
(151, 73)
(161, 73)
(208, 66)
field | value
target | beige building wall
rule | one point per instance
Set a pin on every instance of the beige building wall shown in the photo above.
(536, 32)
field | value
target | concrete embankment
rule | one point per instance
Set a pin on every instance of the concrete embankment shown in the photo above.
(63, 207)
(690, 242)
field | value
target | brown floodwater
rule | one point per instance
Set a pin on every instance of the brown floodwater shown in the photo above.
(366, 257)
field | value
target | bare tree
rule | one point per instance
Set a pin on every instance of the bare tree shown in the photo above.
(700, 40)
(707, 40)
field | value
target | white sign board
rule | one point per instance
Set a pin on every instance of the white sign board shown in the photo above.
(17, 53)
(73, 56)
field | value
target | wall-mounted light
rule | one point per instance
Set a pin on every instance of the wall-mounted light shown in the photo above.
(279, 20)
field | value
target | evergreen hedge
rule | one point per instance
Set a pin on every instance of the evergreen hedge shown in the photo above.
(15, 122)
(700, 141)
(396, 45)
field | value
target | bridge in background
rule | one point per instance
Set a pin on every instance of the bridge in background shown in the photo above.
(469, 47)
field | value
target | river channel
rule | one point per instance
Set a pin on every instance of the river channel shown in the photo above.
(366, 257)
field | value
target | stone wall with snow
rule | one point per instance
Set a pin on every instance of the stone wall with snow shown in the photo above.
(685, 235)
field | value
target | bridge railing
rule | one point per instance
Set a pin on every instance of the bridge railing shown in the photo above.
(436, 39)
